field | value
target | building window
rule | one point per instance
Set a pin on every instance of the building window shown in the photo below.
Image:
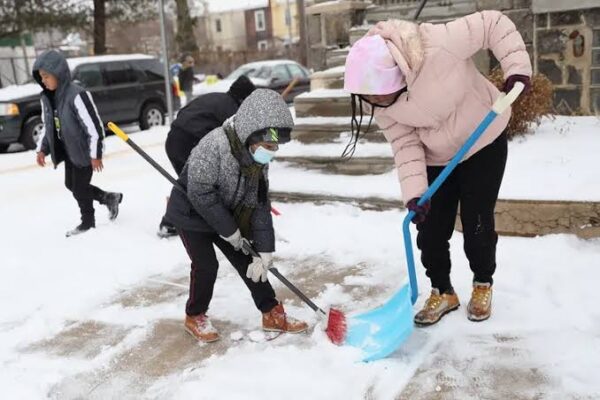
(596, 59)
(263, 45)
(218, 25)
(259, 20)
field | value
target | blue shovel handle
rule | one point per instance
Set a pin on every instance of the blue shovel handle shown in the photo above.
(498, 108)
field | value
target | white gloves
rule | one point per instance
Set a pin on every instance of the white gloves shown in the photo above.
(257, 270)
(237, 241)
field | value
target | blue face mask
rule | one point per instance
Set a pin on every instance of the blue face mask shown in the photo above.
(262, 155)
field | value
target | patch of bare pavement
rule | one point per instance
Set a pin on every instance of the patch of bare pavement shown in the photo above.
(163, 348)
(495, 367)
(121, 368)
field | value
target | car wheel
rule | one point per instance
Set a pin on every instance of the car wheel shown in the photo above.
(4, 147)
(153, 114)
(33, 130)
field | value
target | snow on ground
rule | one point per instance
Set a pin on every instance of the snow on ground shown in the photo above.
(545, 327)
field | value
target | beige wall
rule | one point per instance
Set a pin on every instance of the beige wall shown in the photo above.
(280, 29)
(233, 30)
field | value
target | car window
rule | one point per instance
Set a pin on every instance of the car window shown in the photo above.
(280, 73)
(118, 73)
(151, 70)
(296, 71)
(89, 75)
(239, 72)
(262, 73)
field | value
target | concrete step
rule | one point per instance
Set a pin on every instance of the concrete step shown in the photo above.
(332, 78)
(323, 103)
(327, 132)
(336, 57)
(337, 61)
(356, 166)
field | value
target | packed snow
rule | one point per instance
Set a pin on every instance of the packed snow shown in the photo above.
(99, 315)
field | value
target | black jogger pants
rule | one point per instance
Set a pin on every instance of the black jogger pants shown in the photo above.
(200, 248)
(474, 184)
(77, 180)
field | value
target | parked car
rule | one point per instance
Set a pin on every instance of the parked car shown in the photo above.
(273, 74)
(126, 89)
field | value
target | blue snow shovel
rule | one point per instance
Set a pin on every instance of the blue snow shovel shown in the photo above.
(379, 332)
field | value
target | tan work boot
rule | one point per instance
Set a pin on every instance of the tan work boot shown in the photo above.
(436, 306)
(277, 321)
(200, 328)
(480, 306)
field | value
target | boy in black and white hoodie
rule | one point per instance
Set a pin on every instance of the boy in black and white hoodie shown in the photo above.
(73, 133)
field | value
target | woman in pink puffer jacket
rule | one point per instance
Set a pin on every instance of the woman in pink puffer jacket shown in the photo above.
(424, 91)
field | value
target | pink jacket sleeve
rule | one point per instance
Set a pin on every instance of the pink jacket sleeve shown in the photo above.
(489, 30)
(409, 157)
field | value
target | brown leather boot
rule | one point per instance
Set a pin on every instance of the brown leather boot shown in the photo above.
(277, 321)
(200, 328)
(436, 306)
(480, 306)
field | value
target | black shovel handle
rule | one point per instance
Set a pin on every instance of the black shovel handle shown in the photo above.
(283, 279)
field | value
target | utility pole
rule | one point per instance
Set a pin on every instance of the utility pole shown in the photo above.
(303, 44)
(288, 22)
(165, 54)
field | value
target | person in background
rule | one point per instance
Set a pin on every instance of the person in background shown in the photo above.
(73, 133)
(194, 121)
(186, 76)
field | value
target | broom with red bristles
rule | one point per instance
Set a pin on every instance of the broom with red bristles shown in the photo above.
(336, 320)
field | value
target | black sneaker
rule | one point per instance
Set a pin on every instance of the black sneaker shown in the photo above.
(112, 201)
(166, 231)
(81, 228)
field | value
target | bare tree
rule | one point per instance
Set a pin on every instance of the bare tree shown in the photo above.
(185, 38)
(118, 10)
(99, 26)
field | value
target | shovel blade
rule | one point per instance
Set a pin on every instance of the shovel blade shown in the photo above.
(379, 332)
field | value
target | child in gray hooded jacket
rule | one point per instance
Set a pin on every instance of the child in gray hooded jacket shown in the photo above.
(73, 133)
(227, 206)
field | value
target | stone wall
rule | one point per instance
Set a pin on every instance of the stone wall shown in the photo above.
(568, 52)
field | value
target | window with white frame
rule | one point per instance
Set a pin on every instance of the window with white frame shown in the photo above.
(595, 78)
(218, 25)
(263, 45)
(259, 20)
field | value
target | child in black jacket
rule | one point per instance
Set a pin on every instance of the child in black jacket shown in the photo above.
(73, 133)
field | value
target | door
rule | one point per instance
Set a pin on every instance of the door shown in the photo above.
(123, 90)
(90, 77)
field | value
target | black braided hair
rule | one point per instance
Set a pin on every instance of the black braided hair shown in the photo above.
(355, 126)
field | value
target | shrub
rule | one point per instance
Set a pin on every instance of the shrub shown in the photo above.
(529, 109)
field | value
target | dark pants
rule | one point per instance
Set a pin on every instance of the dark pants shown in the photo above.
(77, 180)
(200, 248)
(475, 184)
(178, 146)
